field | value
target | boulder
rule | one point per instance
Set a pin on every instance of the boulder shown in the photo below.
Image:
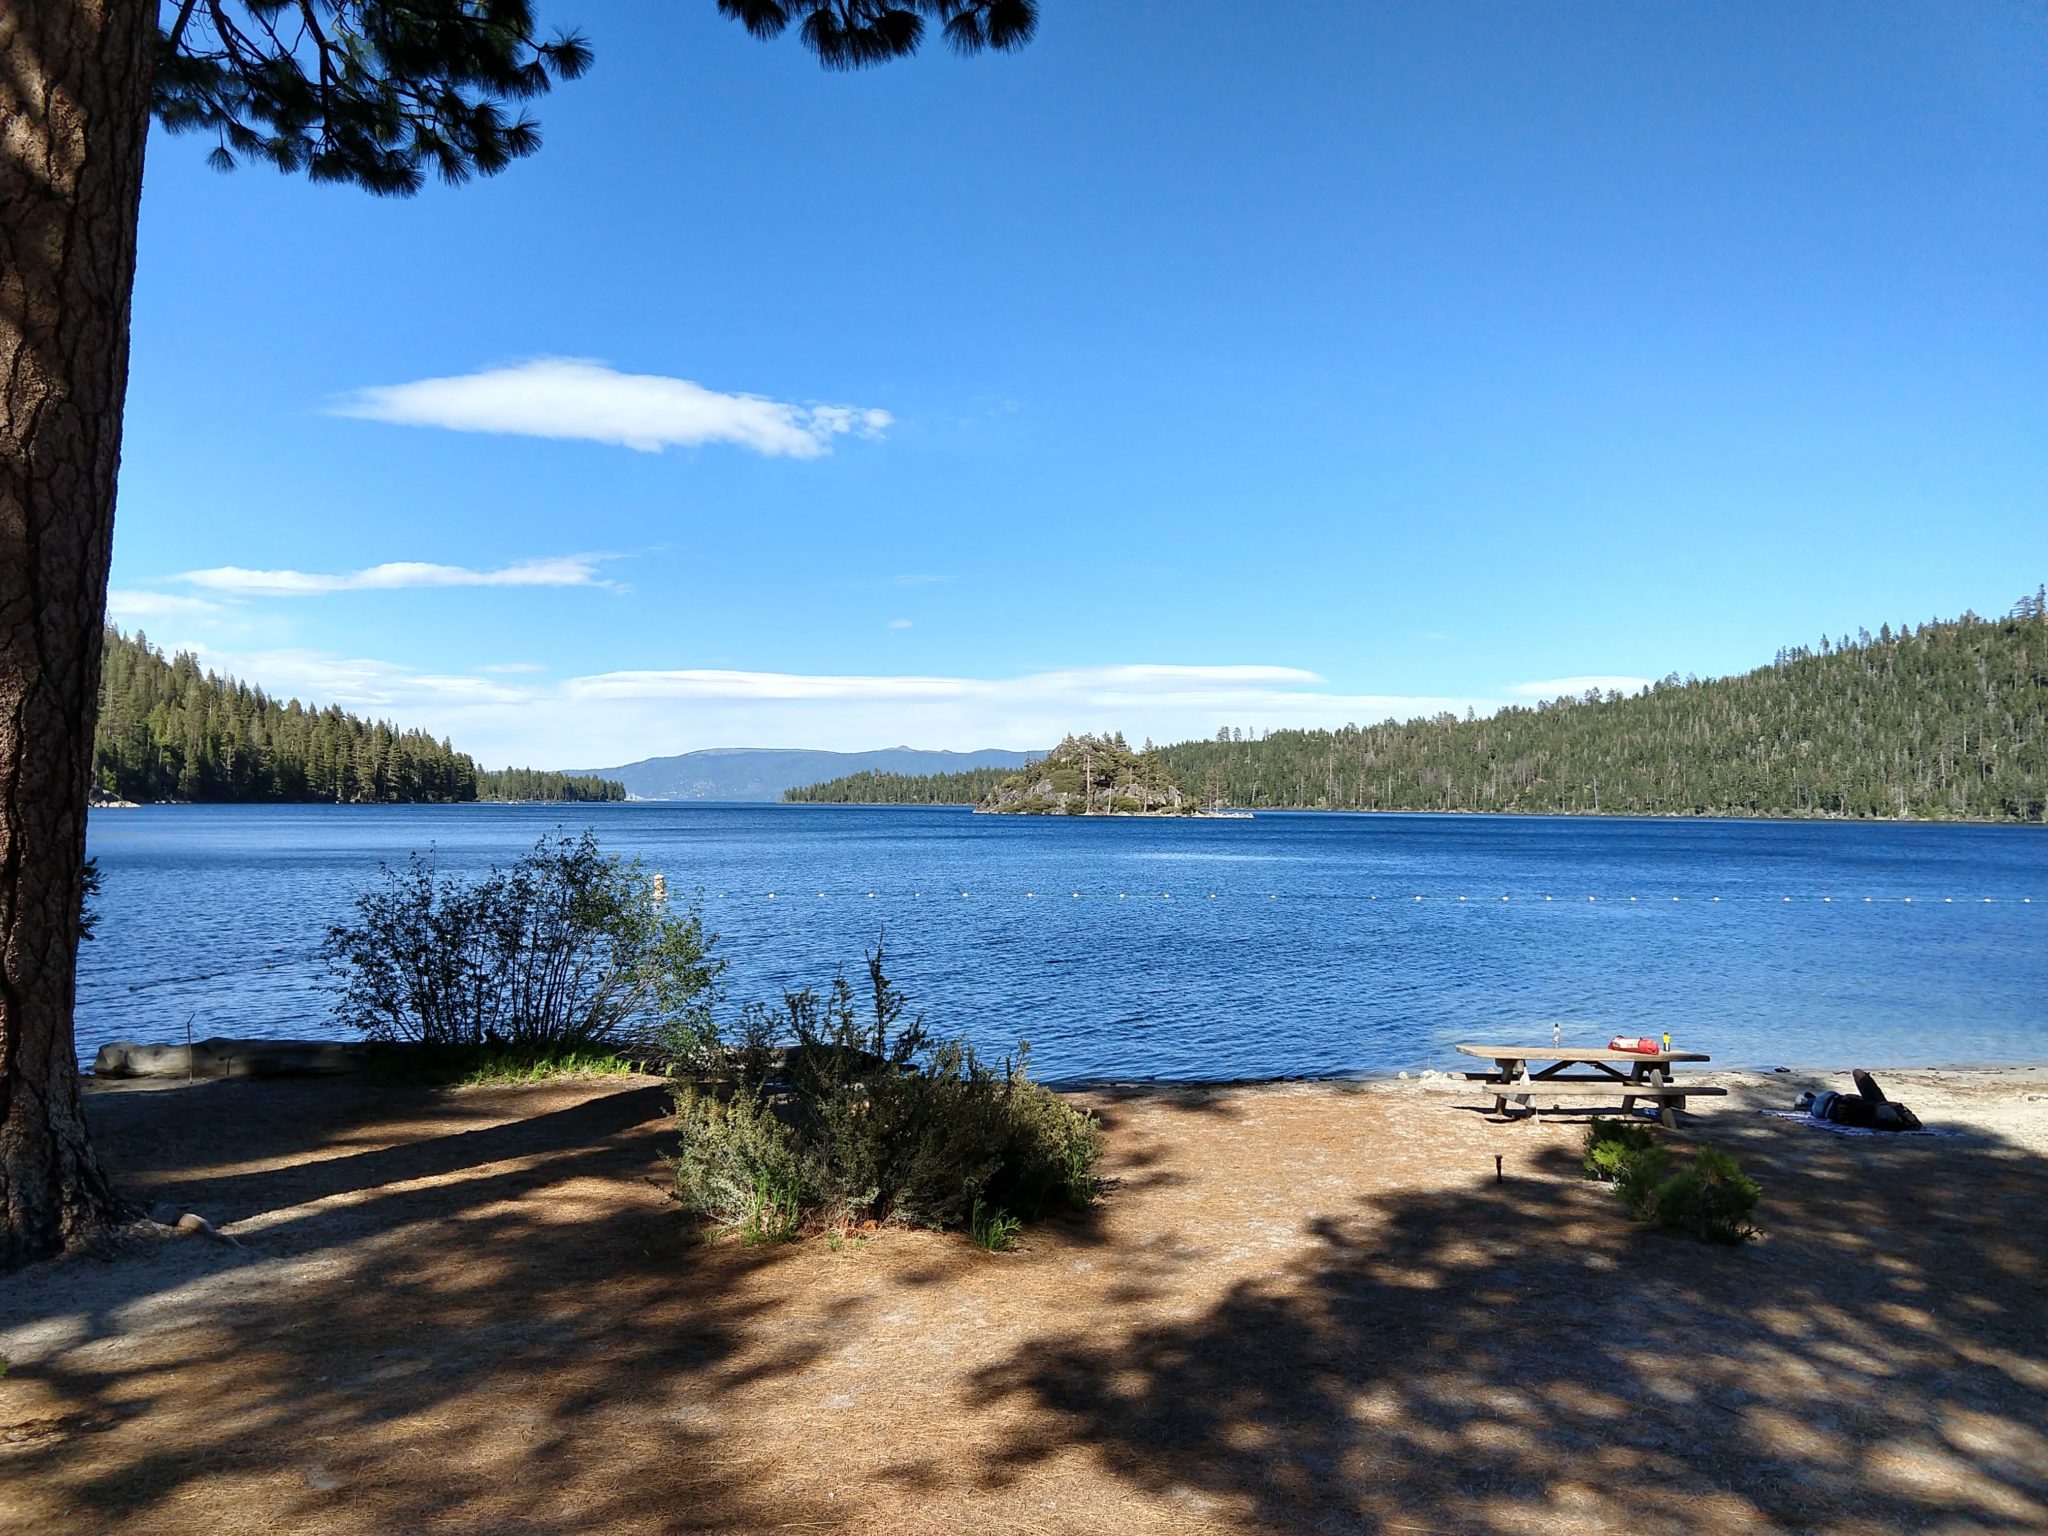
(227, 1058)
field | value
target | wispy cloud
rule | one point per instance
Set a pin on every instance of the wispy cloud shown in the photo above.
(128, 606)
(396, 575)
(615, 717)
(920, 580)
(568, 397)
(899, 623)
(1576, 687)
(509, 668)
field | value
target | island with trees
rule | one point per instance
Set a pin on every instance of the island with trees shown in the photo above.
(1090, 776)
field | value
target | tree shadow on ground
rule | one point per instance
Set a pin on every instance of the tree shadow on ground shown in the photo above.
(440, 1333)
(1514, 1356)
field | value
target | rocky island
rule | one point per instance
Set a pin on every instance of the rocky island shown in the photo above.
(1091, 776)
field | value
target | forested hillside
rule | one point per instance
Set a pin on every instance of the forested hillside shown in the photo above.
(168, 731)
(1948, 720)
(871, 788)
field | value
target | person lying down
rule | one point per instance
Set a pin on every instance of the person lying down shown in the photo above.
(1867, 1106)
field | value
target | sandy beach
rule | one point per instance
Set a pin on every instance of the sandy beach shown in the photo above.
(1298, 1307)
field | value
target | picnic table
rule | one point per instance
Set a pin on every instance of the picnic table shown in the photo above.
(1648, 1076)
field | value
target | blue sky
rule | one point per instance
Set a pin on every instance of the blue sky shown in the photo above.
(1203, 364)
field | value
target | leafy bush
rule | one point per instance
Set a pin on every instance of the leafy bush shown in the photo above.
(859, 1116)
(568, 947)
(1711, 1197)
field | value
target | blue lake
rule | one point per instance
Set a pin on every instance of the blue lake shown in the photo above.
(1289, 945)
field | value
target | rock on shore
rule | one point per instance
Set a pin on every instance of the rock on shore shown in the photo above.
(220, 1057)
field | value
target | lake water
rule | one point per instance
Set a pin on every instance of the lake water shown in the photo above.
(1289, 945)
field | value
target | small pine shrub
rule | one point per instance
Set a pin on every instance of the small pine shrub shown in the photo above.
(1712, 1199)
(1612, 1144)
(1630, 1158)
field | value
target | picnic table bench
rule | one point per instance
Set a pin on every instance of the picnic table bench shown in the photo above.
(1648, 1076)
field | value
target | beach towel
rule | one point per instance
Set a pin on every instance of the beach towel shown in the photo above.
(1847, 1130)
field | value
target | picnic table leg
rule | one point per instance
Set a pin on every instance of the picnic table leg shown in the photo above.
(1659, 1074)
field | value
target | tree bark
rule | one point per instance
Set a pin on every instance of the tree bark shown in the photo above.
(74, 117)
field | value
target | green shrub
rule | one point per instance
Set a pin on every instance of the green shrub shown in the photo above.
(736, 1157)
(1712, 1199)
(1612, 1144)
(863, 1117)
(1628, 1157)
(567, 948)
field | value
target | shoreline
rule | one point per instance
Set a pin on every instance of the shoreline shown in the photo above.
(1235, 814)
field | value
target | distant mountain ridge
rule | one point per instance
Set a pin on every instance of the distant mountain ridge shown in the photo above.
(764, 773)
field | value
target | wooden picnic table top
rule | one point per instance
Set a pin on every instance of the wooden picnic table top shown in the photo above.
(1575, 1053)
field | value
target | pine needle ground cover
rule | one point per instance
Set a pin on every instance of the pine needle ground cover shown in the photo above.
(1299, 1308)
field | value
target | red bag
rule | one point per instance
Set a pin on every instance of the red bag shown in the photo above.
(1636, 1044)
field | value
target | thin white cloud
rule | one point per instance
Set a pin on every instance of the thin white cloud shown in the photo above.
(569, 397)
(1576, 687)
(128, 606)
(397, 575)
(511, 667)
(916, 579)
(899, 623)
(616, 717)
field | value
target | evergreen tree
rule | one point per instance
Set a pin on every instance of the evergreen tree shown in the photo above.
(212, 738)
(380, 93)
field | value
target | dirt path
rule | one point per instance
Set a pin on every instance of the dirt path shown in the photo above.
(1301, 1308)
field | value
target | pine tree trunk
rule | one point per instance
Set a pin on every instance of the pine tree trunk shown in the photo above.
(74, 116)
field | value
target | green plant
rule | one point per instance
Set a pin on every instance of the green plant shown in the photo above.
(1628, 1157)
(481, 1066)
(867, 1118)
(1713, 1199)
(993, 1228)
(567, 948)
(776, 1213)
(735, 1154)
(1611, 1144)
(512, 1066)
(1710, 1197)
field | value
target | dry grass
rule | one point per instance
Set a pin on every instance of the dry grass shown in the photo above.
(1304, 1308)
